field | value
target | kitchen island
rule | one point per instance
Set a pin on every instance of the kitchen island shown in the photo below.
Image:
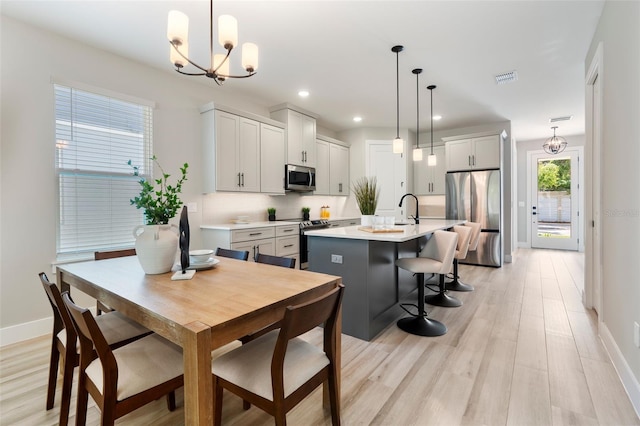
(374, 286)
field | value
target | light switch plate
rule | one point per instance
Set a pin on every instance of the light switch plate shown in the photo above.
(336, 258)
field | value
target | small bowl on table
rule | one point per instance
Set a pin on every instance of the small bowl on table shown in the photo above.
(200, 256)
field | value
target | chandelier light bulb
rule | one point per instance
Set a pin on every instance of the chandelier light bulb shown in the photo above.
(417, 154)
(432, 160)
(398, 145)
(250, 57)
(178, 28)
(176, 58)
(227, 31)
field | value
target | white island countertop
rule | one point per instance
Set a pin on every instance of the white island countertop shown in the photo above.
(248, 225)
(409, 232)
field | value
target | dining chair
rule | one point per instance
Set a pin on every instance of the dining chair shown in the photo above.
(442, 296)
(456, 284)
(287, 262)
(117, 329)
(233, 254)
(111, 254)
(436, 257)
(124, 379)
(277, 370)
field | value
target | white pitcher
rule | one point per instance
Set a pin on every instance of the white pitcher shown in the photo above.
(156, 247)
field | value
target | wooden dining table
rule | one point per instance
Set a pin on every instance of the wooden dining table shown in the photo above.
(214, 308)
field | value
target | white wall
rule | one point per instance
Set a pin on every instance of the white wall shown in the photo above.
(619, 32)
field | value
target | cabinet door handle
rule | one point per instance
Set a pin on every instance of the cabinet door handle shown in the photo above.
(474, 159)
(242, 175)
(255, 233)
(302, 154)
(238, 179)
(469, 159)
(340, 187)
(289, 245)
(288, 230)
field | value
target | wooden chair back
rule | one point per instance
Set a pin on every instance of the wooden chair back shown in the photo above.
(61, 318)
(100, 255)
(287, 262)
(232, 254)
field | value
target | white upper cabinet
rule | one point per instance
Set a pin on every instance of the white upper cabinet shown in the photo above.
(338, 169)
(300, 135)
(430, 180)
(332, 168)
(473, 153)
(271, 159)
(241, 154)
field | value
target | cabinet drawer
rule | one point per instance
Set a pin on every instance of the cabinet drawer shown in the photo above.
(252, 234)
(266, 246)
(286, 230)
(287, 245)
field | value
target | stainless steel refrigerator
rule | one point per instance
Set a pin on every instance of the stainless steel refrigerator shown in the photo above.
(476, 196)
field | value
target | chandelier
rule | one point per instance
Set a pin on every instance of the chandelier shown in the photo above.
(555, 144)
(218, 70)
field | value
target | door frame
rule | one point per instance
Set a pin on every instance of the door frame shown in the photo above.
(592, 298)
(581, 177)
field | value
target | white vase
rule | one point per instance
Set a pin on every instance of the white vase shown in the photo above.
(366, 220)
(156, 247)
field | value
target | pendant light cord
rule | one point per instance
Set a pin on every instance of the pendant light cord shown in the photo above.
(417, 111)
(397, 94)
(431, 87)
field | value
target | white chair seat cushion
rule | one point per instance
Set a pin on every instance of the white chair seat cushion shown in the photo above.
(420, 265)
(142, 365)
(114, 326)
(249, 366)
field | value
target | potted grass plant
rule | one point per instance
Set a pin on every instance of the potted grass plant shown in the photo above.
(367, 194)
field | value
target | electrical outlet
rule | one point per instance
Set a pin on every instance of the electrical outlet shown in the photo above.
(192, 207)
(636, 334)
(336, 258)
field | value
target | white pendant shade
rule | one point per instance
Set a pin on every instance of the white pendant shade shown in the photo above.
(398, 146)
(250, 56)
(224, 69)
(417, 154)
(227, 31)
(176, 58)
(432, 160)
(178, 27)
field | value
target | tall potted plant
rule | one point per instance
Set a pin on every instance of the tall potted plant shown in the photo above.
(367, 193)
(157, 241)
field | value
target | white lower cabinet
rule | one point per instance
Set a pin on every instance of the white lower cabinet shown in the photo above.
(282, 240)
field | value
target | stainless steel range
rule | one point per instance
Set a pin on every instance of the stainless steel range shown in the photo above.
(307, 225)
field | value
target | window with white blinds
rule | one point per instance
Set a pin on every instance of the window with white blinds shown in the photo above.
(96, 136)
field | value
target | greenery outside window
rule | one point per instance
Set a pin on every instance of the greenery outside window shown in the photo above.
(95, 137)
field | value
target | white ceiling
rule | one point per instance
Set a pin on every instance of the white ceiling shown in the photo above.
(341, 52)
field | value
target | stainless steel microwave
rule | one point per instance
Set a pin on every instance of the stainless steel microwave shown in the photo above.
(299, 178)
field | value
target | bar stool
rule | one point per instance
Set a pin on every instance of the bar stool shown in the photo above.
(456, 284)
(435, 258)
(442, 297)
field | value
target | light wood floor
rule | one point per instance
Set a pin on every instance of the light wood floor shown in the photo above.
(521, 350)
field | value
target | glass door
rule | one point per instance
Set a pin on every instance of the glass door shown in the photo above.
(554, 201)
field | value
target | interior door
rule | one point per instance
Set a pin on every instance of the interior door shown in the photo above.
(554, 200)
(389, 170)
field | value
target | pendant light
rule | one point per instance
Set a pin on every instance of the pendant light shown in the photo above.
(431, 159)
(417, 152)
(555, 144)
(398, 143)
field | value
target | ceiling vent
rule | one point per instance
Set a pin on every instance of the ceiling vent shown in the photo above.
(507, 77)
(557, 119)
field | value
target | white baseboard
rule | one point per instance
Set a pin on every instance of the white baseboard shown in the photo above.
(25, 331)
(629, 381)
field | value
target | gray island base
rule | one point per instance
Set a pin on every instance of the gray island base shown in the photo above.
(374, 286)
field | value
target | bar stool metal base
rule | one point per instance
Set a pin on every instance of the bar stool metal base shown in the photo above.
(456, 284)
(422, 326)
(443, 299)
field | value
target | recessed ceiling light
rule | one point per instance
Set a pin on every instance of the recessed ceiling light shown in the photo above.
(507, 77)
(303, 93)
(357, 119)
(437, 117)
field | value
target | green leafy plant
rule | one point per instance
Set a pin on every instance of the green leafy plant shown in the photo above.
(306, 209)
(367, 194)
(159, 204)
(271, 210)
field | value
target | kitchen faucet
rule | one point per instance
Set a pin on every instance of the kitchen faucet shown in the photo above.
(417, 216)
